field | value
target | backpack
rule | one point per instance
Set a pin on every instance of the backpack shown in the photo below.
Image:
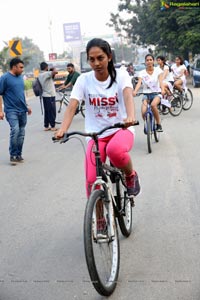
(37, 87)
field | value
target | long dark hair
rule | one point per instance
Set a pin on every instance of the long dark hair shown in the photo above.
(105, 47)
(181, 59)
(164, 61)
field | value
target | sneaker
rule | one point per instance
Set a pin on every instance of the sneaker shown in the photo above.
(102, 232)
(133, 184)
(159, 128)
(20, 159)
(13, 160)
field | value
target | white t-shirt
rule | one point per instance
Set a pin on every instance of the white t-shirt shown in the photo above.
(103, 106)
(150, 82)
(178, 69)
(169, 76)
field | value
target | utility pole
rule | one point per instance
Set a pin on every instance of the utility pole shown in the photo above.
(50, 34)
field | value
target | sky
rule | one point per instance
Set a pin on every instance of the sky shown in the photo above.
(32, 20)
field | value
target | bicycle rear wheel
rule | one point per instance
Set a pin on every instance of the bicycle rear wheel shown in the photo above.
(176, 104)
(125, 205)
(101, 249)
(187, 100)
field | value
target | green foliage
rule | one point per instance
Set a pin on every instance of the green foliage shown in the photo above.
(28, 84)
(173, 30)
(4, 59)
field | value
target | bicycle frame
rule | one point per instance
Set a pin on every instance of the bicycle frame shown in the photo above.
(150, 126)
(102, 169)
(150, 113)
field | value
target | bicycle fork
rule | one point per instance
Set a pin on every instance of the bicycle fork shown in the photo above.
(150, 124)
(108, 213)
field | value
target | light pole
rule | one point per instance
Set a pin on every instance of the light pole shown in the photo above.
(50, 34)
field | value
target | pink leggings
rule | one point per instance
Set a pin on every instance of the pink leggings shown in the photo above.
(115, 146)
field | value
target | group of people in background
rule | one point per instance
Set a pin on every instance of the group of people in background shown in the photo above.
(160, 81)
(12, 97)
(46, 77)
(104, 88)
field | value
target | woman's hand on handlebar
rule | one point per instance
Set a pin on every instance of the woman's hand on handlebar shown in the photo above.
(129, 121)
(59, 134)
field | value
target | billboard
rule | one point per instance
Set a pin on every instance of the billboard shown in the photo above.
(72, 32)
(52, 56)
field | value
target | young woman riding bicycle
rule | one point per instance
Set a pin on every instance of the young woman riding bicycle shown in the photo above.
(168, 79)
(179, 70)
(108, 99)
(152, 81)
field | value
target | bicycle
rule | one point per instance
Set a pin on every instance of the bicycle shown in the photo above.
(150, 126)
(187, 98)
(172, 104)
(108, 202)
(177, 102)
(62, 99)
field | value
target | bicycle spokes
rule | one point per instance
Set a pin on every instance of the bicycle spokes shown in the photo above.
(101, 245)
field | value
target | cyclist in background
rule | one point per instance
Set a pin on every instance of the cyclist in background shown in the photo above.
(151, 78)
(108, 99)
(179, 70)
(71, 77)
(168, 79)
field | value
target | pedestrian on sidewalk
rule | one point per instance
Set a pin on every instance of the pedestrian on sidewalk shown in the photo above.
(15, 107)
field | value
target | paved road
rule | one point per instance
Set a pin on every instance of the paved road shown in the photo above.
(42, 207)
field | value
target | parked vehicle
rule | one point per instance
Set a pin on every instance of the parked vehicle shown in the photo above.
(195, 74)
(85, 66)
(61, 67)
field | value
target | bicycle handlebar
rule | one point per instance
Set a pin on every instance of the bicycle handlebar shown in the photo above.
(93, 135)
(155, 93)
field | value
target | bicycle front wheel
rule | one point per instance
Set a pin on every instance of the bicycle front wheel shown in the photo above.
(125, 205)
(59, 111)
(187, 100)
(101, 244)
(176, 104)
(149, 131)
(61, 105)
(156, 133)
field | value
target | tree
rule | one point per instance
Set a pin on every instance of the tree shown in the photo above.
(172, 30)
(32, 55)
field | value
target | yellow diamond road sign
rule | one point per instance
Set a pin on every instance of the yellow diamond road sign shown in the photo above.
(15, 48)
